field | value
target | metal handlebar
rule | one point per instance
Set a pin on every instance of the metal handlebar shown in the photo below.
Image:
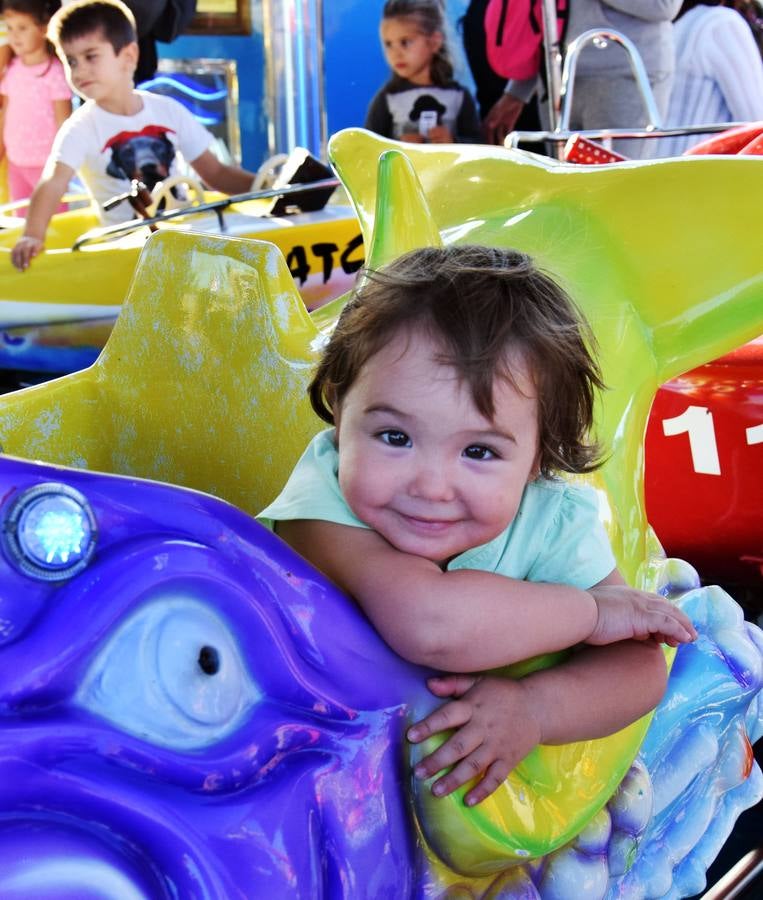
(601, 36)
(98, 234)
(560, 108)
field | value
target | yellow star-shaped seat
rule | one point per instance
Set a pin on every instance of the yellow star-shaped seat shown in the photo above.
(201, 383)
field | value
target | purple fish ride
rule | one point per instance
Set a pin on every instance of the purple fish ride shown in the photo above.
(197, 713)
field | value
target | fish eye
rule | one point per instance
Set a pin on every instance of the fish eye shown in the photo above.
(172, 674)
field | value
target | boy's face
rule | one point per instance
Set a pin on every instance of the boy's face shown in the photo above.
(420, 464)
(95, 71)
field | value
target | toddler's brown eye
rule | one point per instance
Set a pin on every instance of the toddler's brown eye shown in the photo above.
(476, 451)
(395, 438)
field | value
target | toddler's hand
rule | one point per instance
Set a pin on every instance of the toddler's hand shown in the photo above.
(495, 730)
(625, 613)
(440, 135)
(24, 252)
(412, 137)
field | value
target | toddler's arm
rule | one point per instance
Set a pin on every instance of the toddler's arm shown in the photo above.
(498, 721)
(220, 176)
(45, 199)
(461, 620)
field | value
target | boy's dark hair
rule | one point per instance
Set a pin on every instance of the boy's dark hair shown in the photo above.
(40, 10)
(480, 303)
(110, 18)
(428, 15)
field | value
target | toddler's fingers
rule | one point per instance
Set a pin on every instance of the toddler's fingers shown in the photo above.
(451, 715)
(453, 752)
(469, 768)
(451, 685)
(664, 639)
(493, 778)
(666, 607)
(671, 622)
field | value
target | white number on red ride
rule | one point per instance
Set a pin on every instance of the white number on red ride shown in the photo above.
(754, 434)
(697, 422)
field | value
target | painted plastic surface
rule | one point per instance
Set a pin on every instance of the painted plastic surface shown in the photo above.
(55, 317)
(704, 458)
(703, 435)
(127, 771)
(202, 383)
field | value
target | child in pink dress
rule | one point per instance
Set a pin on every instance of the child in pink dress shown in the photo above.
(35, 96)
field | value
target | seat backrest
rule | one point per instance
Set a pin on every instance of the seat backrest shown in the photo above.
(202, 382)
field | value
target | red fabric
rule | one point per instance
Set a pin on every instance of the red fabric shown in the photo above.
(588, 153)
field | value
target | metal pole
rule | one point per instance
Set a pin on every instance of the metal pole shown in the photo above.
(552, 52)
(293, 32)
(740, 880)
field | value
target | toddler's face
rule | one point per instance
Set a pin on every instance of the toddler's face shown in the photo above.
(420, 464)
(94, 70)
(408, 50)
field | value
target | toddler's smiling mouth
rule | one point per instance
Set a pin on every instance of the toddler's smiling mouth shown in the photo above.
(422, 523)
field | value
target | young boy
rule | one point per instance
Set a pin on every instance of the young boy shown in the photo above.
(119, 133)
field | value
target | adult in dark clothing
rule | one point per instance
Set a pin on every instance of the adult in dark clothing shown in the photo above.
(489, 85)
(157, 20)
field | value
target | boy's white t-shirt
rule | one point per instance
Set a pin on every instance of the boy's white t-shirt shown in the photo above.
(108, 151)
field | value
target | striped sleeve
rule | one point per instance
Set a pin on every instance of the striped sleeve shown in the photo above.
(735, 62)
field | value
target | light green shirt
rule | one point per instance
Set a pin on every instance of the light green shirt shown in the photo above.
(555, 537)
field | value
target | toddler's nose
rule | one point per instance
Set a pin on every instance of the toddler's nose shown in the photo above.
(432, 481)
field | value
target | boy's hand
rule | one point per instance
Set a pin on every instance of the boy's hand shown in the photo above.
(495, 729)
(24, 252)
(625, 613)
(412, 137)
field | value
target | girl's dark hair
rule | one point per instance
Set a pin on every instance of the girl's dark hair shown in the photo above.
(480, 304)
(40, 10)
(428, 16)
(111, 18)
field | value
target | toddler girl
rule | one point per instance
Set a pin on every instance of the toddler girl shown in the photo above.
(459, 380)
(35, 96)
(421, 103)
